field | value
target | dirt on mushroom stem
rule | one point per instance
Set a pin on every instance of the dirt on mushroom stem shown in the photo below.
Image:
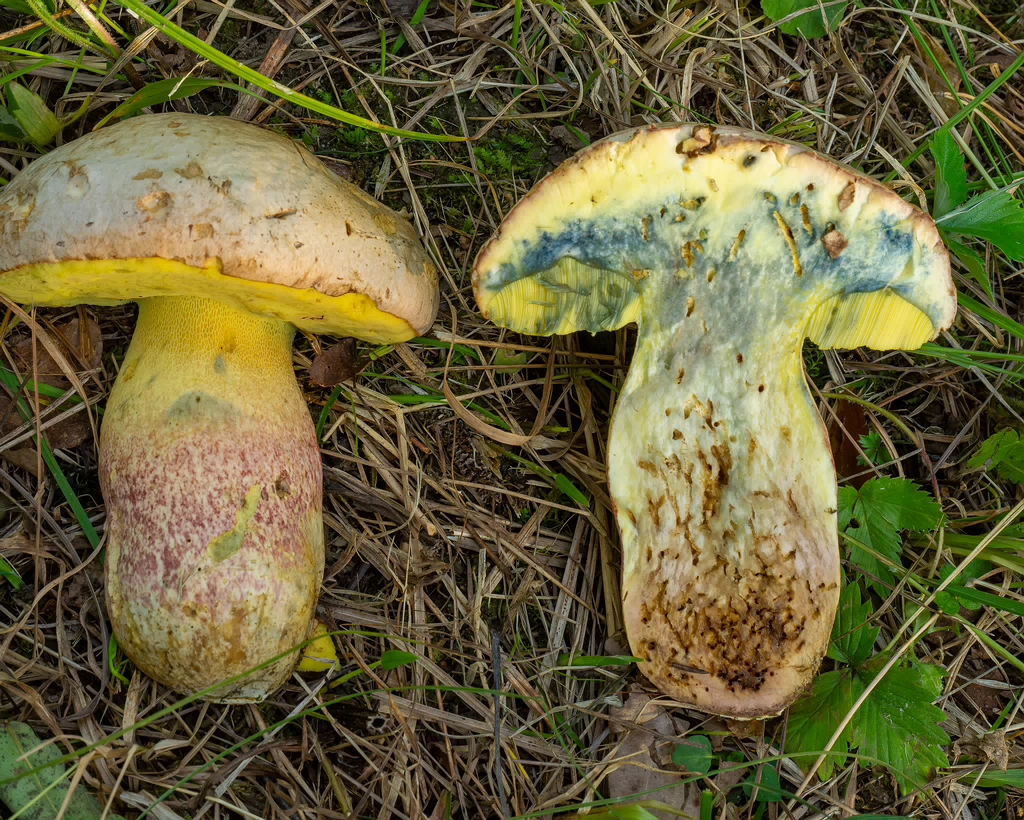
(211, 473)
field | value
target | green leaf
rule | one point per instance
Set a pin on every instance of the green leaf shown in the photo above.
(1013, 778)
(958, 593)
(10, 574)
(975, 598)
(975, 265)
(163, 91)
(901, 503)
(394, 658)
(994, 216)
(694, 754)
(852, 638)
(877, 512)
(876, 533)
(503, 359)
(37, 121)
(1002, 453)
(948, 602)
(769, 790)
(570, 490)
(594, 661)
(899, 724)
(950, 173)
(814, 719)
(812, 23)
(875, 450)
(10, 130)
(40, 795)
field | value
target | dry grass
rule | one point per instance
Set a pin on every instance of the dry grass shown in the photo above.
(440, 542)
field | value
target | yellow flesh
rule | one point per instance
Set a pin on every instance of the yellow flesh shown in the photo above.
(114, 281)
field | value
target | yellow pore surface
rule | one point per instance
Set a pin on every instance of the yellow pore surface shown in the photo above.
(881, 320)
(115, 281)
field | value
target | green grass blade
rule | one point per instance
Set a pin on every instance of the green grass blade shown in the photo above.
(1000, 320)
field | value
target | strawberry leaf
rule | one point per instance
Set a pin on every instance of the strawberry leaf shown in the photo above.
(874, 449)
(995, 216)
(877, 512)
(901, 503)
(852, 638)
(898, 723)
(814, 718)
(1003, 454)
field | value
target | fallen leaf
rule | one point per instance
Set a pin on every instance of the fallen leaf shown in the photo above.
(25, 458)
(85, 349)
(844, 450)
(990, 748)
(490, 457)
(339, 363)
(945, 97)
(647, 737)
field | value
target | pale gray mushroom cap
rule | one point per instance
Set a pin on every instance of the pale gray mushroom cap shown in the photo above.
(177, 204)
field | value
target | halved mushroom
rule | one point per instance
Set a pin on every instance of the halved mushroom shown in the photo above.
(230, 237)
(728, 249)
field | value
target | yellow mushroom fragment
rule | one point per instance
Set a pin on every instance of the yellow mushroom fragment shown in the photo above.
(728, 249)
(229, 237)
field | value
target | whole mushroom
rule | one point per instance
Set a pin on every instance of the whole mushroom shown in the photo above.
(728, 249)
(229, 237)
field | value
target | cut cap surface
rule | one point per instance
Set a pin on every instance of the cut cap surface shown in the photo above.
(175, 204)
(863, 266)
(728, 249)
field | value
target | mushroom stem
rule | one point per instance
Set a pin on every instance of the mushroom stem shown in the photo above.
(730, 553)
(211, 473)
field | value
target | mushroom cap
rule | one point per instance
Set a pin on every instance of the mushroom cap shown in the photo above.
(575, 253)
(178, 204)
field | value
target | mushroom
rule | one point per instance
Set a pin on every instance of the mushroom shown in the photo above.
(728, 249)
(229, 237)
